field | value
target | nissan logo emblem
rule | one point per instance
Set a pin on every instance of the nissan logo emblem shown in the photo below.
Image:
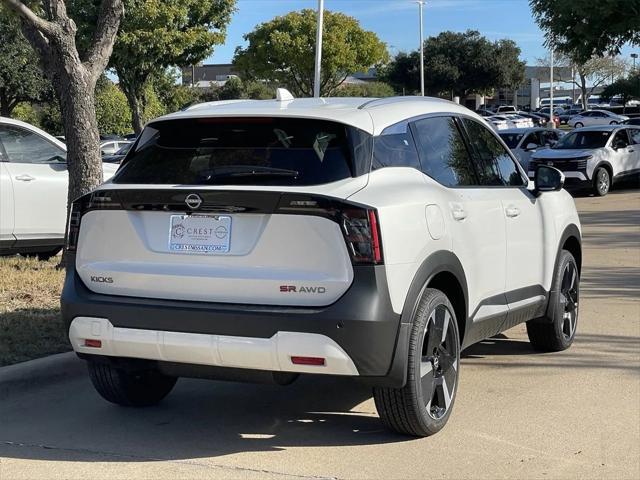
(193, 201)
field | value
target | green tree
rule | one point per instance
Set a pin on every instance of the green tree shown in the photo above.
(112, 110)
(458, 64)
(158, 34)
(154, 35)
(21, 79)
(584, 28)
(369, 89)
(172, 95)
(627, 88)
(282, 51)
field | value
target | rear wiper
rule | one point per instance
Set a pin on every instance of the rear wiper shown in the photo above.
(235, 171)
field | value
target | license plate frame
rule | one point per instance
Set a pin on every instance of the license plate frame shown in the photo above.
(200, 234)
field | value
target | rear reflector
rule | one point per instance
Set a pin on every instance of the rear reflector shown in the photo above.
(316, 361)
(89, 342)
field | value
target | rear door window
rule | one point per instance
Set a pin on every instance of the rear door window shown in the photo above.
(247, 151)
(443, 152)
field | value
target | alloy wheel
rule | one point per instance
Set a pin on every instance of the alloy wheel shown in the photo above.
(603, 181)
(439, 363)
(569, 299)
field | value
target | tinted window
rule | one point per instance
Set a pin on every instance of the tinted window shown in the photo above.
(495, 165)
(25, 146)
(549, 137)
(534, 138)
(443, 153)
(583, 139)
(621, 139)
(634, 134)
(247, 151)
(512, 139)
(395, 148)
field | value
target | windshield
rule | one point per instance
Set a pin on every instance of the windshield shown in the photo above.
(247, 151)
(511, 139)
(584, 139)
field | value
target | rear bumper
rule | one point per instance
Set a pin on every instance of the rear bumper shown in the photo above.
(358, 333)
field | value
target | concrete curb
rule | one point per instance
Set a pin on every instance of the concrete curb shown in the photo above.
(41, 371)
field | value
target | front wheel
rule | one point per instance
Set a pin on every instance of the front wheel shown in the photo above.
(557, 331)
(129, 389)
(578, 125)
(601, 182)
(423, 406)
(613, 123)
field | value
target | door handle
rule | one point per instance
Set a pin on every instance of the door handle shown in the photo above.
(25, 178)
(512, 211)
(459, 214)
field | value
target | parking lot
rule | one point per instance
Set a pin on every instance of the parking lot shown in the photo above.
(519, 414)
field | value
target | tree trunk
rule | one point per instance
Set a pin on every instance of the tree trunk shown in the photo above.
(5, 110)
(137, 102)
(583, 89)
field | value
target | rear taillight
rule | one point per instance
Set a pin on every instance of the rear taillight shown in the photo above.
(100, 200)
(359, 224)
(360, 227)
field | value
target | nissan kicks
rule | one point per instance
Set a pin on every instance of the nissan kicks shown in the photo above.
(369, 238)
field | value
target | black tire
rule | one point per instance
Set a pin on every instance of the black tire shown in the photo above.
(556, 331)
(601, 182)
(578, 125)
(613, 123)
(423, 406)
(44, 255)
(129, 389)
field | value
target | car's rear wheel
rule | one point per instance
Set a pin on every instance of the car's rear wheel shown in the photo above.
(601, 181)
(556, 333)
(130, 389)
(423, 406)
(613, 122)
(578, 125)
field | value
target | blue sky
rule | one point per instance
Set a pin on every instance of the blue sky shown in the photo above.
(396, 21)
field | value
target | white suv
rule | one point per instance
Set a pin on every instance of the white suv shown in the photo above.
(594, 157)
(33, 190)
(370, 238)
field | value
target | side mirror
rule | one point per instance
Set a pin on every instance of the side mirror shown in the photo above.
(531, 146)
(548, 179)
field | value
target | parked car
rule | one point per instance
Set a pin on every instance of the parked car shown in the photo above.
(594, 156)
(498, 122)
(537, 120)
(110, 147)
(506, 109)
(33, 190)
(556, 119)
(339, 236)
(595, 117)
(119, 155)
(518, 121)
(557, 110)
(567, 114)
(485, 112)
(525, 142)
(632, 121)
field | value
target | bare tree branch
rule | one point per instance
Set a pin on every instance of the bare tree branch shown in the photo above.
(28, 16)
(111, 13)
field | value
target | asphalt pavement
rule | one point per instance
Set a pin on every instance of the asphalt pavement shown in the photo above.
(518, 414)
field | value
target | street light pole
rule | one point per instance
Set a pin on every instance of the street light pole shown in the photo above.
(316, 77)
(420, 5)
(552, 124)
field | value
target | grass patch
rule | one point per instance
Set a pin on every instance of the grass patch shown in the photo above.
(30, 322)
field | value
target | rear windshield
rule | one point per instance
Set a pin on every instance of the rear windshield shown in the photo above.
(584, 139)
(247, 151)
(511, 139)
